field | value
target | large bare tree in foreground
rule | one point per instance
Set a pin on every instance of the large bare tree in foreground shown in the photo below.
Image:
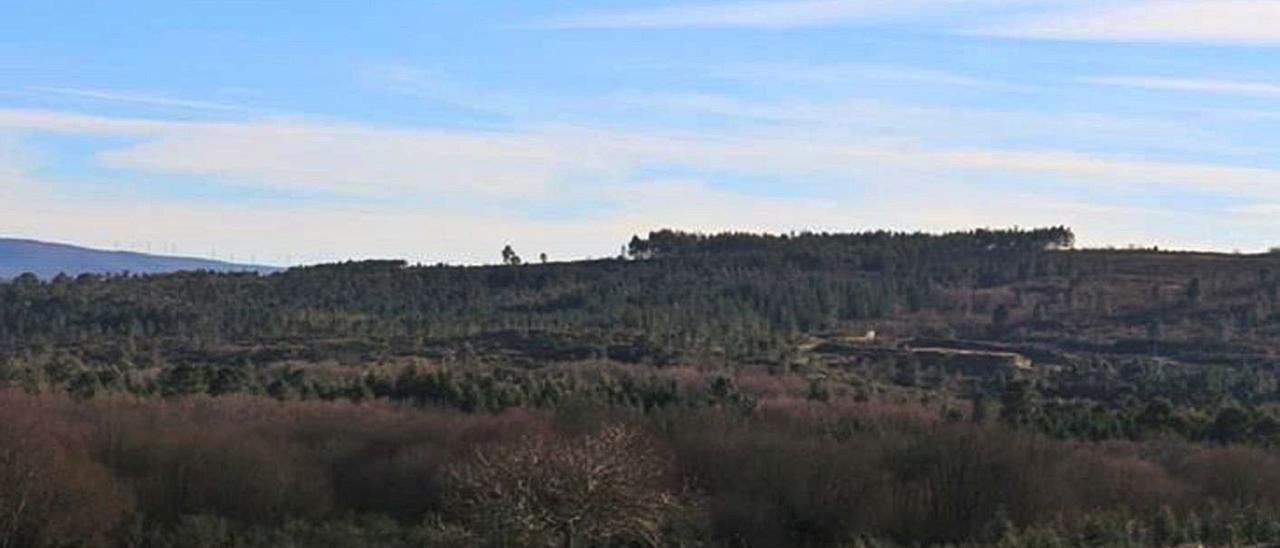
(549, 491)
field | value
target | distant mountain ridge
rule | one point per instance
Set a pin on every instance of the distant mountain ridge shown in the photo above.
(46, 260)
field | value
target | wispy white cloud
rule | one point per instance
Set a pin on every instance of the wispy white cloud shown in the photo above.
(435, 87)
(359, 160)
(843, 74)
(739, 14)
(1231, 87)
(141, 99)
(1247, 114)
(76, 123)
(1202, 21)
(1260, 209)
(13, 160)
(1155, 176)
(886, 121)
(534, 162)
(766, 14)
(20, 193)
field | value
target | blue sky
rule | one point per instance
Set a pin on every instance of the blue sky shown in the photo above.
(285, 132)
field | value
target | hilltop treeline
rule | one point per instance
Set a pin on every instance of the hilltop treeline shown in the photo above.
(890, 248)
(738, 294)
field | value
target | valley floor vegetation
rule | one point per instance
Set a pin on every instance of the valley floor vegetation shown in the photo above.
(983, 388)
(254, 471)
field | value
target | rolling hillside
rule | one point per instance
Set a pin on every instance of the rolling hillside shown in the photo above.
(46, 260)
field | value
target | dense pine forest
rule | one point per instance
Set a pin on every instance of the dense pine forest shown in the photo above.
(980, 388)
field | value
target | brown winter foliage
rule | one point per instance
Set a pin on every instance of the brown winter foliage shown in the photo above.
(789, 474)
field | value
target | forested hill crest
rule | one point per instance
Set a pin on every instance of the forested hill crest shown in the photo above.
(667, 242)
(47, 260)
(680, 297)
(743, 295)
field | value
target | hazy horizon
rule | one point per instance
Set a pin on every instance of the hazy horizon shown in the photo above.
(276, 135)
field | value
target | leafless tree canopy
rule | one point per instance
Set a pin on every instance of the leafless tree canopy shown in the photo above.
(610, 485)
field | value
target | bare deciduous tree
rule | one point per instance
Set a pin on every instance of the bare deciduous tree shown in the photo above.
(548, 490)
